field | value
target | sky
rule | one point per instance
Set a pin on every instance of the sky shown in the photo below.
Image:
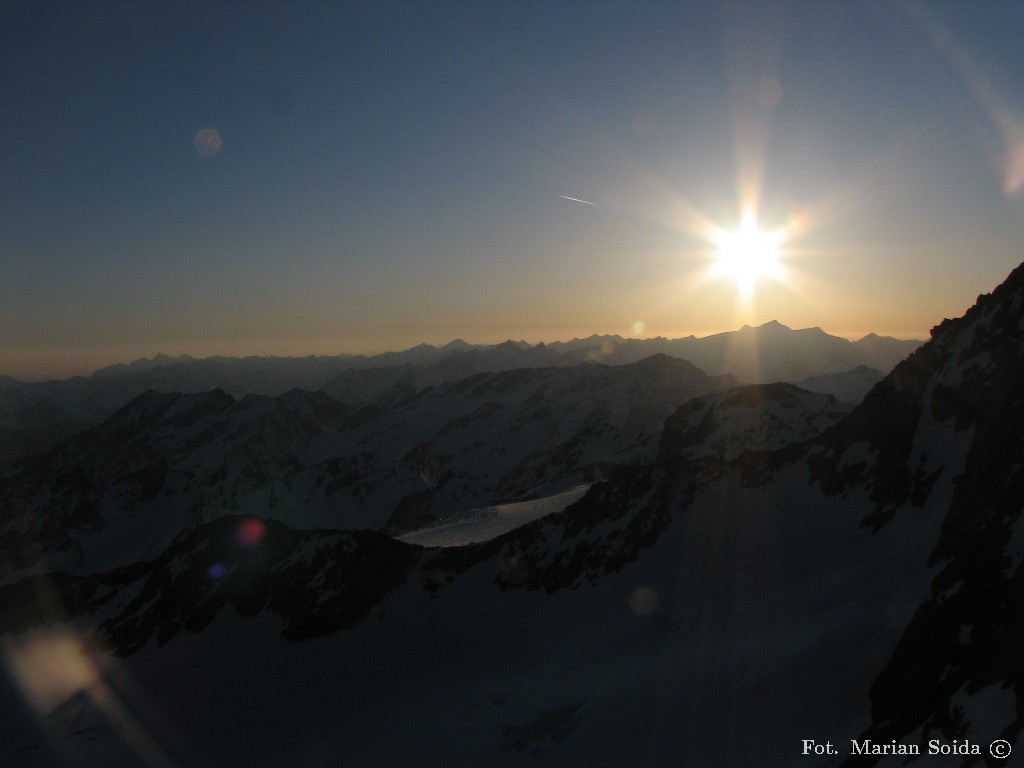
(302, 178)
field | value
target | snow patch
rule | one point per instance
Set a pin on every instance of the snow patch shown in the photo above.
(987, 707)
(486, 523)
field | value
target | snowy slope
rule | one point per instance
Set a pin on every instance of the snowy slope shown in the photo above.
(587, 637)
(164, 461)
(749, 418)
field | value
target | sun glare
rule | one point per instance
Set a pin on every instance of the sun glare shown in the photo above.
(747, 255)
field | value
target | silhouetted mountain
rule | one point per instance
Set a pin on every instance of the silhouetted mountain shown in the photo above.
(37, 416)
(848, 386)
(948, 425)
(142, 364)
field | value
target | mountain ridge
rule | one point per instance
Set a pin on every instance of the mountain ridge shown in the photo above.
(310, 459)
(36, 416)
(424, 349)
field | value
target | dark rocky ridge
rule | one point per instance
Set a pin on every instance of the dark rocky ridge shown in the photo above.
(968, 635)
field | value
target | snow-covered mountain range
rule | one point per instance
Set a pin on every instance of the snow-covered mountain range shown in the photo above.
(37, 416)
(167, 460)
(745, 569)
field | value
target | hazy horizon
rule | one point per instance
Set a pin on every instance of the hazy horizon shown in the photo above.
(287, 352)
(307, 178)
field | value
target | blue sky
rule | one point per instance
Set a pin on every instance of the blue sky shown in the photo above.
(391, 173)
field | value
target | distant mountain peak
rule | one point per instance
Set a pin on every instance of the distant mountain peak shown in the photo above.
(144, 364)
(771, 326)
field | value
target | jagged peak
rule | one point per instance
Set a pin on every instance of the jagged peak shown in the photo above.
(985, 303)
(929, 381)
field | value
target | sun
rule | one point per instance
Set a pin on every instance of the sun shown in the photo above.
(747, 255)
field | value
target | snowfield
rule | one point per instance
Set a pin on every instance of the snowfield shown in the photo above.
(486, 523)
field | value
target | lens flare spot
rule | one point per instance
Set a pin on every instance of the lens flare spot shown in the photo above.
(796, 221)
(639, 327)
(208, 142)
(769, 92)
(251, 532)
(514, 571)
(643, 601)
(50, 667)
(603, 351)
(217, 570)
(1013, 181)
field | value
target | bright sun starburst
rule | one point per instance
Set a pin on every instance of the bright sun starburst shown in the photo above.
(747, 255)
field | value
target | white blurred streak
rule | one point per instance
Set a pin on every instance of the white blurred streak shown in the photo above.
(1009, 125)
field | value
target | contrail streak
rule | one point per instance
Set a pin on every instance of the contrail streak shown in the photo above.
(577, 200)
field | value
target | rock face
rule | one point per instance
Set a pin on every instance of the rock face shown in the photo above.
(964, 385)
(761, 562)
